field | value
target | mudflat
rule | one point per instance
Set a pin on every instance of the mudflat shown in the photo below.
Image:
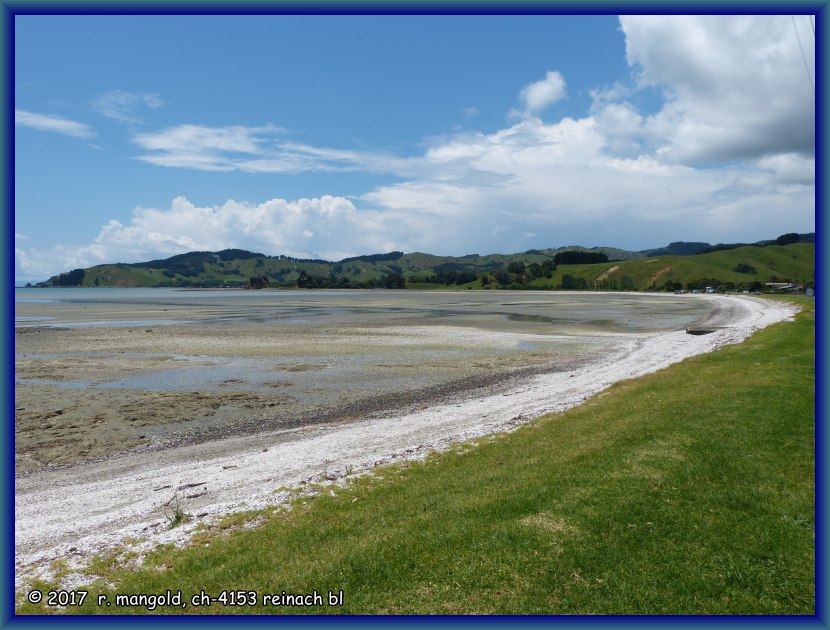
(101, 372)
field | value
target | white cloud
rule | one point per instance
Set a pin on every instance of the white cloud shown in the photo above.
(539, 95)
(480, 193)
(201, 148)
(566, 182)
(327, 227)
(123, 106)
(57, 124)
(197, 138)
(736, 86)
(790, 168)
(623, 128)
(254, 150)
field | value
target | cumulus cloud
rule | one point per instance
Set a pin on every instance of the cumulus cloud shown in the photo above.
(325, 227)
(124, 106)
(790, 168)
(56, 124)
(561, 181)
(622, 127)
(736, 87)
(537, 96)
(530, 185)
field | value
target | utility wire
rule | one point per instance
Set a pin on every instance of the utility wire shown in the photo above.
(806, 67)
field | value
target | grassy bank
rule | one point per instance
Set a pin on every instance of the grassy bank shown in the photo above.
(688, 491)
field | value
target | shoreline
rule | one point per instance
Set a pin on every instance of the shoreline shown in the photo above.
(74, 513)
(382, 406)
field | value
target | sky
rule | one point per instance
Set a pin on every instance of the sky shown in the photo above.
(140, 137)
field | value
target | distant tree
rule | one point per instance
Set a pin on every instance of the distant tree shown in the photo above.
(502, 277)
(517, 266)
(548, 267)
(258, 282)
(236, 254)
(374, 257)
(393, 281)
(787, 239)
(569, 282)
(579, 257)
(304, 280)
(74, 278)
(451, 277)
(534, 270)
(744, 268)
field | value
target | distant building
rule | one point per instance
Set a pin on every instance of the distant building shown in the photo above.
(784, 286)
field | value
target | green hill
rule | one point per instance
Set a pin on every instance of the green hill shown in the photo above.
(748, 267)
(678, 266)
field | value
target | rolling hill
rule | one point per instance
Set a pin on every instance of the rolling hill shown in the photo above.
(679, 265)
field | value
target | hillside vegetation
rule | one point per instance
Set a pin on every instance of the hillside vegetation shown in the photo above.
(732, 267)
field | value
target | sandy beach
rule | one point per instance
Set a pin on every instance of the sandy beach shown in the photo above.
(108, 491)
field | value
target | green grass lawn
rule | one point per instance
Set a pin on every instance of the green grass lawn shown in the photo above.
(688, 491)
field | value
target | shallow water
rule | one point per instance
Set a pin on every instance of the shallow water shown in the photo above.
(560, 312)
(324, 340)
(98, 371)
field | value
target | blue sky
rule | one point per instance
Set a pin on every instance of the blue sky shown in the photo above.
(139, 137)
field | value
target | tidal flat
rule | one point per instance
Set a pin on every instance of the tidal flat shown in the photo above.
(101, 372)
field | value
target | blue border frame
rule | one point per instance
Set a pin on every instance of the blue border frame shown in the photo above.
(10, 8)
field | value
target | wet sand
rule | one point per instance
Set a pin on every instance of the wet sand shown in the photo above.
(102, 372)
(84, 486)
(87, 393)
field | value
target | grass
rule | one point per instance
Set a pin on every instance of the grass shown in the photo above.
(794, 262)
(688, 491)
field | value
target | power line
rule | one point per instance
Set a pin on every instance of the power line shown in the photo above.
(806, 67)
